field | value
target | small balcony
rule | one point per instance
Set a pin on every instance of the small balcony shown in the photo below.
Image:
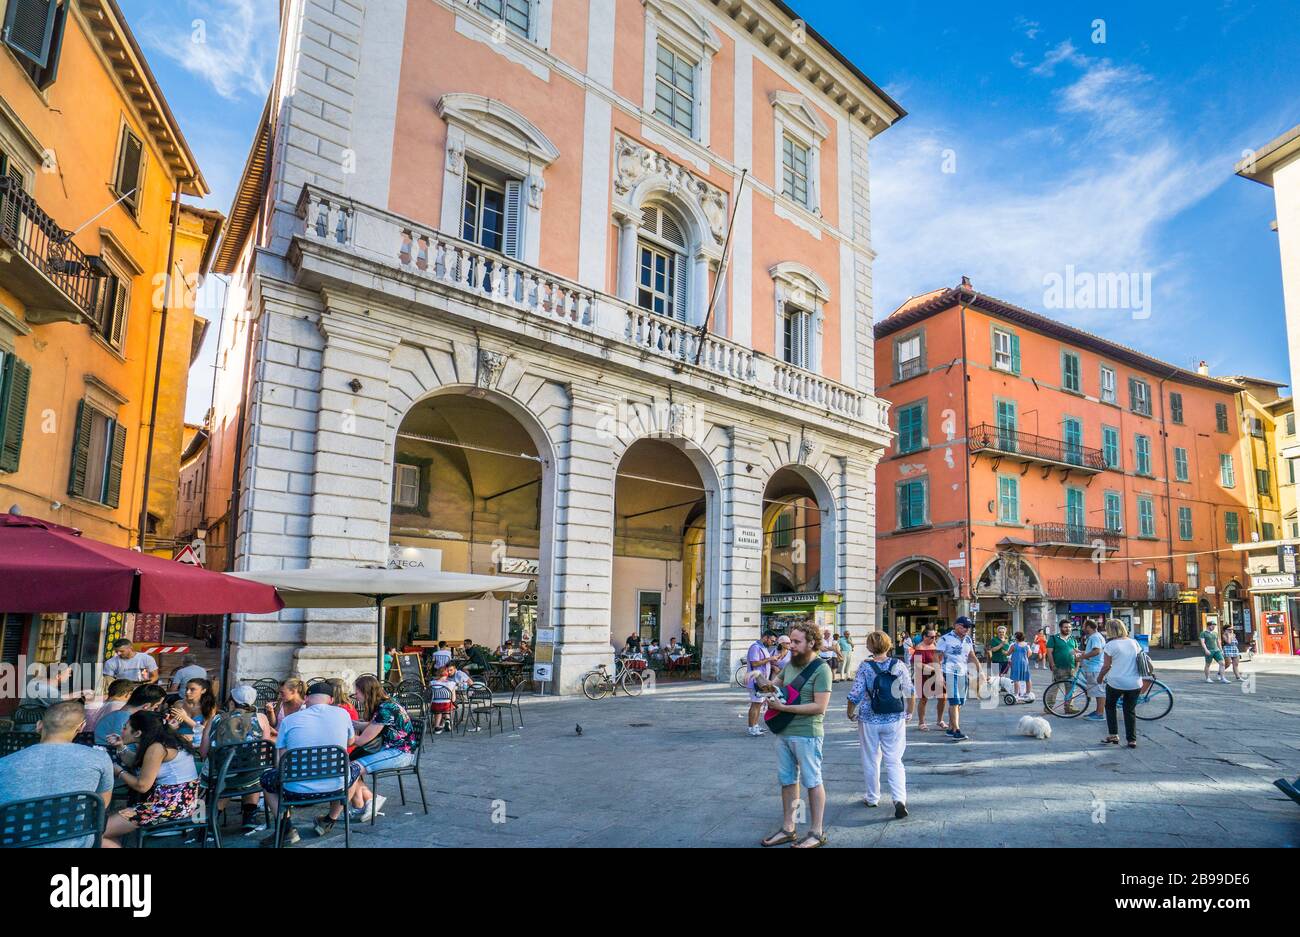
(1004, 443)
(1064, 537)
(1113, 590)
(53, 278)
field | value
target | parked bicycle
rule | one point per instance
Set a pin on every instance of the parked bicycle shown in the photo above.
(1069, 698)
(599, 683)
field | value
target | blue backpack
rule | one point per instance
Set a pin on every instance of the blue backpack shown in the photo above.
(886, 696)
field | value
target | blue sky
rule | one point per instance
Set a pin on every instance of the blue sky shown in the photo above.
(1029, 149)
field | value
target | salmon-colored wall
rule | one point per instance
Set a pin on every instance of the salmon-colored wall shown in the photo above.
(1042, 500)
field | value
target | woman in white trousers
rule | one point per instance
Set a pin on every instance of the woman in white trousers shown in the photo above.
(882, 720)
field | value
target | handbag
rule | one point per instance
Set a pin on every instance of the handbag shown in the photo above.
(779, 721)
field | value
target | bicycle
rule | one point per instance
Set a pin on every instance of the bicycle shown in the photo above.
(1069, 698)
(598, 683)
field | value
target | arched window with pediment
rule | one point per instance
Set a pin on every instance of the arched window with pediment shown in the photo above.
(663, 276)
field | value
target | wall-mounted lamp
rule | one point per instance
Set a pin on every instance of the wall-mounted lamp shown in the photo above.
(355, 384)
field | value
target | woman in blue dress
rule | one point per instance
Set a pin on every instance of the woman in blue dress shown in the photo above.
(1020, 665)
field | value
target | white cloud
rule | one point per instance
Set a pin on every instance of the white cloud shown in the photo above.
(1092, 187)
(230, 44)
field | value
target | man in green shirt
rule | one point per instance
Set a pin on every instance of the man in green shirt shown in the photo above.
(799, 745)
(1210, 646)
(1063, 649)
(1000, 649)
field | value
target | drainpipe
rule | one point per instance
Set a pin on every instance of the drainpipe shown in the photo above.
(158, 365)
(1164, 451)
(965, 456)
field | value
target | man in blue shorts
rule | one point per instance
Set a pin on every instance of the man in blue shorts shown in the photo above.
(958, 649)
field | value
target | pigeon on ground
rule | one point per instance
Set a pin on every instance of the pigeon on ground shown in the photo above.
(578, 729)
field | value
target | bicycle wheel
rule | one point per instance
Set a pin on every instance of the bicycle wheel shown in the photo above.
(595, 685)
(633, 683)
(1066, 699)
(1155, 703)
(741, 673)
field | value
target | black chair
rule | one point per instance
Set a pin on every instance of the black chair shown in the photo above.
(512, 706)
(1289, 788)
(477, 704)
(197, 822)
(410, 685)
(236, 772)
(265, 694)
(414, 704)
(16, 741)
(418, 727)
(46, 820)
(319, 763)
(26, 716)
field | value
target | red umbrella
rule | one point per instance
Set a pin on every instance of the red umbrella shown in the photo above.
(48, 568)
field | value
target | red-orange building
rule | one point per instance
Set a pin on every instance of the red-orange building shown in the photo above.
(1041, 472)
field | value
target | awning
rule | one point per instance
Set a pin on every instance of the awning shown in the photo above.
(362, 587)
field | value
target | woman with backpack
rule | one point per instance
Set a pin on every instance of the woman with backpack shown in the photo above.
(239, 724)
(881, 703)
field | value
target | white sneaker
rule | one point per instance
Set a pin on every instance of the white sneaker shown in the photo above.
(1224, 680)
(375, 806)
(755, 730)
(1209, 679)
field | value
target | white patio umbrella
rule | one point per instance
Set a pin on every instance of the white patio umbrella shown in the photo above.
(378, 587)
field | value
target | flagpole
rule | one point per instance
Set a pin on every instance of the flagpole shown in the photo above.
(722, 268)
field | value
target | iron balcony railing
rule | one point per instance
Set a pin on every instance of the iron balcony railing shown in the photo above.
(32, 234)
(1076, 535)
(986, 437)
(1113, 590)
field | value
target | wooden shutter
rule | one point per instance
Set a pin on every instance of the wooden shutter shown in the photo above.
(1015, 353)
(15, 380)
(916, 506)
(29, 29)
(513, 239)
(116, 457)
(80, 451)
(117, 313)
(680, 292)
(129, 166)
(905, 430)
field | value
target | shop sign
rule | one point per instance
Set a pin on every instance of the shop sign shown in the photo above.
(521, 566)
(1188, 597)
(400, 557)
(1286, 558)
(1273, 581)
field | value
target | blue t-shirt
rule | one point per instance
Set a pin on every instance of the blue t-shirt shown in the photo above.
(321, 724)
(1096, 641)
(52, 768)
(956, 651)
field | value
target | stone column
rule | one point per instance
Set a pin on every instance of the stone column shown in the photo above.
(350, 498)
(739, 611)
(857, 546)
(627, 226)
(583, 538)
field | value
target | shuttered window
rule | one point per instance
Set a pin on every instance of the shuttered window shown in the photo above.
(912, 504)
(911, 428)
(1184, 523)
(1231, 527)
(1146, 517)
(1114, 511)
(1107, 384)
(98, 454)
(29, 29)
(796, 332)
(1070, 371)
(111, 302)
(1139, 396)
(1006, 351)
(1180, 464)
(1110, 446)
(15, 381)
(1221, 417)
(1142, 452)
(1008, 499)
(1227, 472)
(516, 14)
(1073, 440)
(1006, 417)
(661, 273)
(1176, 407)
(130, 170)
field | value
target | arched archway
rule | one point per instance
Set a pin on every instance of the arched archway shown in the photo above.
(799, 566)
(471, 490)
(918, 593)
(664, 588)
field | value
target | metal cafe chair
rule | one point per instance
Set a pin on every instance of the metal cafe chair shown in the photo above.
(321, 762)
(512, 706)
(237, 772)
(418, 727)
(16, 741)
(43, 821)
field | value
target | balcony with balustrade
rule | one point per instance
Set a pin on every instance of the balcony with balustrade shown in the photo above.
(51, 276)
(1064, 538)
(562, 311)
(1030, 449)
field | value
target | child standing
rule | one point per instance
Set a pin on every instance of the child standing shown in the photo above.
(1020, 666)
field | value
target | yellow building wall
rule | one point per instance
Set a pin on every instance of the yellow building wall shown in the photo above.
(77, 121)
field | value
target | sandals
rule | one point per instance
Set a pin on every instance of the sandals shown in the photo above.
(1133, 744)
(923, 727)
(817, 839)
(779, 838)
(1110, 740)
(943, 725)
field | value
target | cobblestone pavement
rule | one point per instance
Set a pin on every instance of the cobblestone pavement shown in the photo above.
(675, 768)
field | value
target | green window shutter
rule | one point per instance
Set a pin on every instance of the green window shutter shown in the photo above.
(117, 455)
(916, 508)
(80, 452)
(15, 381)
(1015, 353)
(29, 29)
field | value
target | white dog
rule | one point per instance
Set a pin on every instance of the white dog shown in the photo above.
(1035, 727)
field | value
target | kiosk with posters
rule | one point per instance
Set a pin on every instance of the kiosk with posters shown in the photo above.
(781, 610)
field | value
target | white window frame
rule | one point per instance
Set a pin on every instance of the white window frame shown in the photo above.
(1108, 394)
(539, 21)
(798, 286)
(795, 117)
(490, 133)
(681, 30)
(1009, 366)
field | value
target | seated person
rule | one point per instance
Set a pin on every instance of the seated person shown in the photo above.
(317, 723)
(57, 766)
(161, 768)
(442, 656)
(191, 715)
(146, 696)
(444, 703)
(388, 721)
(189, 670)
(477, 657)
(292, 698)
(239, 724)
(119, 691)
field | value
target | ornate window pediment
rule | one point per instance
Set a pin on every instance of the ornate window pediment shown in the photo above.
(640, 172)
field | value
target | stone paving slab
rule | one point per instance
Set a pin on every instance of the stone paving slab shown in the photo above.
(676, 769)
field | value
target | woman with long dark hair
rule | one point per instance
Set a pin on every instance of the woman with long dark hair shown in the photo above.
(164, 773)
(388, 723)
(193, 714)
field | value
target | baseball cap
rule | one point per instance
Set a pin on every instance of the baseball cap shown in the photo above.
(963, 620)
(244, 695)
(320, 688)
(784, 639)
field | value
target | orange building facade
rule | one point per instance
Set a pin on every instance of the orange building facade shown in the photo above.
(1041, 472)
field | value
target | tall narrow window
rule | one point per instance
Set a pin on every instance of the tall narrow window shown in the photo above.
(1110, 446)
(1231, 527)
(406, 485)
(1176, 407)
(98, 454)
(661, 265)
(1142, 454)
(1184, 523)
(909, 356)
(1221, 417)
(796, 332)
(1107, 384)
(1290, 424)
(1193, 574)
(1146, 516)
(516, 14)
(911, 428)
(1076, 516)
(1008, 499)
(1180, 464)
(130, 170)
(1070, 371)
(1114, 511)
(675, 90)
(111, 302)
(912, 504)
(794, 171)
(1006, 417)
(1073, 430)
(1227, 473)
(1006, 351)
(1263, 483)
(15, 380)
(484, 220)
(1139, 396)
